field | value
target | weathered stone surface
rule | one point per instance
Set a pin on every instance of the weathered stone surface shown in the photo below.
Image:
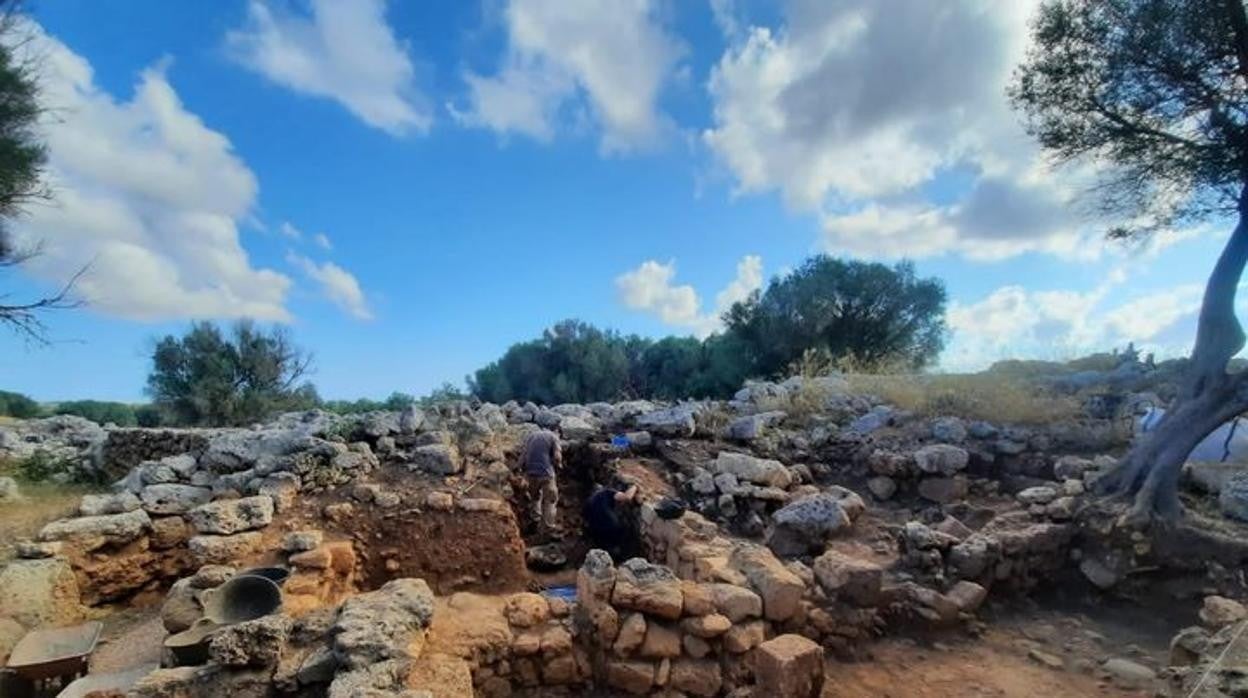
(181, 608)
(970, 558)
(1037, 495)
(11, 632)
(39, 593)
(696, 677)
(283, 488)
(675, 422)
(941, 459)
(254, 643)
(949, 430)
(708, 626)
(746, 468)
(526, 610)
(632, 633)
(173, 499)
(968, 596)
(882, 488)
(169, 532)
(1129, 673)
(217, 550)
(738, 603)
(91, 532)
(100, 504)
(745, 637)
(440, 459)
(210, 576)
(380, 625)
(635, 678)
(804, 525)
(780, 589)
(789, 666)
(299, 541)
(576, 428)
(661, 641)
(854, 580)
(440, 674)
(1218, 611)
(232, 516)
(943, 490)
(643, 586)
(9, 491)
(750, 427)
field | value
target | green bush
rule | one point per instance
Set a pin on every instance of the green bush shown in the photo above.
(18, 405)
(39, 466)
(100, 412)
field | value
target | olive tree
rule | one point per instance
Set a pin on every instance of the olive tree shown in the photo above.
(1154, 95)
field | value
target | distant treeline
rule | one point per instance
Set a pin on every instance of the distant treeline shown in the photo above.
(846, 313)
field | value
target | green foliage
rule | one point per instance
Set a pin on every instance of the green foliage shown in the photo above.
(147, 416)
(866, 313)
(1153, 92)
(397, 402)
(206, 378)
(18, 405)
(835, 310)
(39, 466)
(99, 412)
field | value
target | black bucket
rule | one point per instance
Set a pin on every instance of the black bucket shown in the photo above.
(277, 575)
(190, 647)
(243, 598)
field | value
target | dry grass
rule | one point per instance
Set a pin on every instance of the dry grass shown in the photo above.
(988, 396)
(41, 503)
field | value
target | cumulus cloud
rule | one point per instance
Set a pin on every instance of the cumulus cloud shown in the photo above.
(1013, 321)
(147, 195)
(344, 51)
(610, 56)
(651, 288)
(850, 108)
(338, 285)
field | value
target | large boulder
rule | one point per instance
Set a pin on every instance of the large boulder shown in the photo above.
(751, 426)
(941, 459)
(789, 666)
(219, 550)
(173, 499)
(233, 450)
(780, 589)
(101, 504)
(575, 428)
(760, 471)
(382, 625)
(91, 532)
(804, 525)
(253, 643)
(231, 516)
(644, 586)
(39, 593)
(437, 458)
(672, 422)
(849, 579)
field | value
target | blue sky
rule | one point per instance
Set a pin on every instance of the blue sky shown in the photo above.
(414, 186)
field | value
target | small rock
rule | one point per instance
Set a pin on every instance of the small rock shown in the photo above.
(1046, 659)
(1218, 611)
(883, 488)
(1129, 673)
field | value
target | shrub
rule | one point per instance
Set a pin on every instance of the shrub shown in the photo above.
(987, 396)
(18, 405)
(99, 412)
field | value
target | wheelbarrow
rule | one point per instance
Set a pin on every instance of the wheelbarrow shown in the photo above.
(57, 653)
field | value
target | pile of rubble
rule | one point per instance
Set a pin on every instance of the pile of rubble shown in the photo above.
(816, 520)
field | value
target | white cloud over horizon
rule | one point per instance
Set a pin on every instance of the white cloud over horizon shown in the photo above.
(851, 108)
(344, 51)
(1014, 322)
(145, 194)
(609, 57)
(338, 285)
(650, 288)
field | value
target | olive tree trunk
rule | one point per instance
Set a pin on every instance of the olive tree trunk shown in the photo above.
(1208, 397)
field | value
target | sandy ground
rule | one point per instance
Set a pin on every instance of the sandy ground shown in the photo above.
(130, 638)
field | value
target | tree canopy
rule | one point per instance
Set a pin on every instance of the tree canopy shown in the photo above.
(1153, 94)
(867, 313)
(209, 378)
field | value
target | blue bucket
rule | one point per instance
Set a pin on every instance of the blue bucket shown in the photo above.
(567, 593)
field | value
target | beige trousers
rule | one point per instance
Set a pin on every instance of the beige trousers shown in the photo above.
(544, 497)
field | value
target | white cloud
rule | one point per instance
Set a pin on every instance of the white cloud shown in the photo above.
(1013, 322)
(146, 194)
(322, 241)
(337, 284)
(850, 108)
(612, 55)
(650, 288)
(288, 230)
(344, 51)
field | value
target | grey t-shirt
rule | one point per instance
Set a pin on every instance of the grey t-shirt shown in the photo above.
(540, 454)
